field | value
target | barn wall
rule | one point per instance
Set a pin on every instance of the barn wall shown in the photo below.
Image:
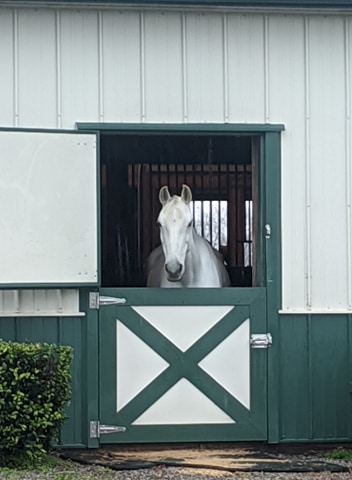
(64, 66)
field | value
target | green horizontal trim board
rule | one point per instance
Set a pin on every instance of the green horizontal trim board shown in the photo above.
(177, 128)
(228, 3)
(183, 433)
(189, 296)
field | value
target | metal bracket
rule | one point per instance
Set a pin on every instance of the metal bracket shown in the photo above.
(261, 340)
(96, 301)
(96, 429)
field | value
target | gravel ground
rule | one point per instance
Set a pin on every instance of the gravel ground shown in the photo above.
(67, 470)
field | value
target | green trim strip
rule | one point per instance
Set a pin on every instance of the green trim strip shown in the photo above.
(157, 128)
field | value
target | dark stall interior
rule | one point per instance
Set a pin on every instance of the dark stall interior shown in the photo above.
(222, 172)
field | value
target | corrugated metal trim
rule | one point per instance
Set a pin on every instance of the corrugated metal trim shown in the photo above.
(39, 303)
(329, 4)
(315, 311)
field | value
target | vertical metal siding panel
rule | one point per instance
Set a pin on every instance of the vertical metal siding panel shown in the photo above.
(295, 412)
(286, 93)
(330, 380)
(142, 65)
(7, 68)
(58, 69)
(348, 152)
(307, 301)
(15, 69)
(246, 68)
(79, 68)
(315, 400)
(225, 43)
(8, 328)
(100, 67)
(205, 68)
(184, 69)
(36, 57)
(328, 164)
(163, 67)
(71, 333)
(121, 66)
(65, 331)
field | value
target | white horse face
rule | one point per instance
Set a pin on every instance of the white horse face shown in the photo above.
(175, 222)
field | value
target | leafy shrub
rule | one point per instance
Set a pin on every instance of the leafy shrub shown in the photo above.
(34, 389)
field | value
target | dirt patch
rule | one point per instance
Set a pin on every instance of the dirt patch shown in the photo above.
(231, 458)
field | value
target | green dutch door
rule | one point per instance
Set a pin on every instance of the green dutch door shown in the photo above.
(183, 365)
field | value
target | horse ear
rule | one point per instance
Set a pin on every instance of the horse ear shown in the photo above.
(186, 194)
(164, 195)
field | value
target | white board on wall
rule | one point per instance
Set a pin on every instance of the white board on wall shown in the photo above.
(48, 208)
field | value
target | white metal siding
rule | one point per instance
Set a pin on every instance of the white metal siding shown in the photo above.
(63, 66)
(39, 303)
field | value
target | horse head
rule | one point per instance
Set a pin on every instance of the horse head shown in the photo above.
(175, 221)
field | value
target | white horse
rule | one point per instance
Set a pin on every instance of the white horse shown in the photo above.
(184, 259)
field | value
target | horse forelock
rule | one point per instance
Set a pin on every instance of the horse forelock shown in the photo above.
(175, 208)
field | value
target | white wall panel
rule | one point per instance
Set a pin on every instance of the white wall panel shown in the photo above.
(327, 109)
(79, 66)
(246, 68)
(163, 67)
(204, 68)
(121, 67)
(286, 91)
(7, 60)
(36, 67)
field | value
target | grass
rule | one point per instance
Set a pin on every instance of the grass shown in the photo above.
(53, 468)
(340, 453)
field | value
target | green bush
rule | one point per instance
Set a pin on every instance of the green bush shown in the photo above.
(34, 390)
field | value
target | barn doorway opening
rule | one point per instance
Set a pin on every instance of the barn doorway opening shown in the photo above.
(220, 169)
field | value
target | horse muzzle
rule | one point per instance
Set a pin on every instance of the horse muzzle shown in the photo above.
(174, 271)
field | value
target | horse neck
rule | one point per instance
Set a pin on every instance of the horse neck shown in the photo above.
(196, 245)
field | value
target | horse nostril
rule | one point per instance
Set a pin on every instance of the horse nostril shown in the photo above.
(173, 269)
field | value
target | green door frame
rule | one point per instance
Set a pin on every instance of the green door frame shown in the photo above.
(269, 214)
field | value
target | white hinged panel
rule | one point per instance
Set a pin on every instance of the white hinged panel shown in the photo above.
(48, 204)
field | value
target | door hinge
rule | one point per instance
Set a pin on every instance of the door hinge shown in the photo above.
(96, 429)
(96, 300)
(261, 340)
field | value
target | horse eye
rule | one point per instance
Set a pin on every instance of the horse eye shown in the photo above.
(190, 223)
(158, 224)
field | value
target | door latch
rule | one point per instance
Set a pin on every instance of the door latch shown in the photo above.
(261, 340)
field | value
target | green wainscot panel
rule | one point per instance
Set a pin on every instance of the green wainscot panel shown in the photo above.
(315, 378)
